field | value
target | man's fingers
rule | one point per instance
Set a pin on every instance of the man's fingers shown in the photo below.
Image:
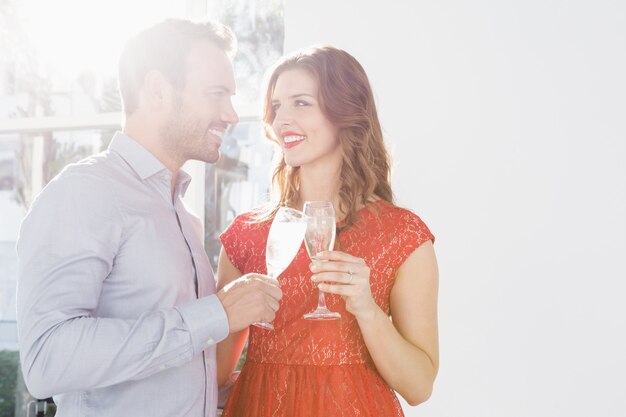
(269, 286)
(273, 305)
(261, 277)
(251, 298)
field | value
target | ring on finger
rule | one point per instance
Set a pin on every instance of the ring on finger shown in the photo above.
(351, 274)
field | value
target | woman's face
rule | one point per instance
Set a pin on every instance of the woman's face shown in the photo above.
(306, 136)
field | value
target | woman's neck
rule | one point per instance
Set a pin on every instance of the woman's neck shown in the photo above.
(319, 185)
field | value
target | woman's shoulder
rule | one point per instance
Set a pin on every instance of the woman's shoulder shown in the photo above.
(390, 211)
(248, 222)
(254, 217)
(398, 219)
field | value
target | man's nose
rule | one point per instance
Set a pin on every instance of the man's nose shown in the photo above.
(229, 115)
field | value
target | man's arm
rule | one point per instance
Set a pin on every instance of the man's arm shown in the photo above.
(66, 249)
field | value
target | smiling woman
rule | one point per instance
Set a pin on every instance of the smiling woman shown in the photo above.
(303, 130)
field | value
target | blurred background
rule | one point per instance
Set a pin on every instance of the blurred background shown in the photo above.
(506, 123)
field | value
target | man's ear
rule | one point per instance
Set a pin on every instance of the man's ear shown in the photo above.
(157, 90)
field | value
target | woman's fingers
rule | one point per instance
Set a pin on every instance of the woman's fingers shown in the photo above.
(350, 268)
(338, 277)
(336, 255)
(343, 290)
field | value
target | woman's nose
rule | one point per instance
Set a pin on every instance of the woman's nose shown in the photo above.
(281, 119)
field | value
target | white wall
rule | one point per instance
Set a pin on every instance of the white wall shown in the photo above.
(507, 120)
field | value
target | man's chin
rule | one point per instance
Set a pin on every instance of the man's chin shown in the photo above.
(213, 158)
(217, 157)
(209, 159)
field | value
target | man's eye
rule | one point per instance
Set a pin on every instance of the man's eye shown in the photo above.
(217, 94)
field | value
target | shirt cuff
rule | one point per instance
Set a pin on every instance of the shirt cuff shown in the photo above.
(206, 321)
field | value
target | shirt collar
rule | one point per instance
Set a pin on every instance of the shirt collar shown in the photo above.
(182, 182)
(142, 161)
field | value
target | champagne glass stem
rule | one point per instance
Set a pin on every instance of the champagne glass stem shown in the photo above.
(321, 300)
(320, 236)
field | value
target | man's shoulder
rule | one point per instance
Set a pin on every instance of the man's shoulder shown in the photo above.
(88, 185)
(97, 164)
(96, 174)
(99, 170)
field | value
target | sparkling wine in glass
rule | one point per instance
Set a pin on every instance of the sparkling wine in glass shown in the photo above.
(319, 237)
(283, 242)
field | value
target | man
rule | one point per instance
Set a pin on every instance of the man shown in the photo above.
(117, 311)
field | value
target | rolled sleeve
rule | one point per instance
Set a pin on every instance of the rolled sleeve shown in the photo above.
(206, 321)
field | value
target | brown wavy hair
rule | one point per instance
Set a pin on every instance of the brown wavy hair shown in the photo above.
(347, 101)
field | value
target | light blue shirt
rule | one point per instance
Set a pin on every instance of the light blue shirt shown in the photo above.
(116, 312)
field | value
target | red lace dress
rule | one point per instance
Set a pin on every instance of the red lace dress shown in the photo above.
(319, 368)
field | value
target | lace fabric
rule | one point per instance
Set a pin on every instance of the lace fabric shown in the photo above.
(320, 368)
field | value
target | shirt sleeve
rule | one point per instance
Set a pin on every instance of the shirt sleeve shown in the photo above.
(66, 249)
(206, 321)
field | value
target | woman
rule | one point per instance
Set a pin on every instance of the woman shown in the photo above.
(319, 108)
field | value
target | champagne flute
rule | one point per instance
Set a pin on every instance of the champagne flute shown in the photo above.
(283, 242)
(319, 237)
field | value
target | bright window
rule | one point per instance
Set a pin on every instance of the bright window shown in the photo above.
(59, 103)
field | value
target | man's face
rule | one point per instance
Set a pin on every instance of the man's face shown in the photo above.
(202, 109)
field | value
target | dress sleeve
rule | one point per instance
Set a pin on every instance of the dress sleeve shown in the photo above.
(235, 241)
(411, 232)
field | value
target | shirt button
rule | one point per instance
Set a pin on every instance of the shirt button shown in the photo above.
(210, 342)
(163, 367)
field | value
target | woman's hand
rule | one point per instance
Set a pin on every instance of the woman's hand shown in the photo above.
(348, 276)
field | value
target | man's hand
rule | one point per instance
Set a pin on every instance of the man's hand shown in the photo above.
(250, 299)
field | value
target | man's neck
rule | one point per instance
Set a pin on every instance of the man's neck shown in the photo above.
(148, 137)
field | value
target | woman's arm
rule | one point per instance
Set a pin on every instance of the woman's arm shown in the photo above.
(405, 350)
(228, 350)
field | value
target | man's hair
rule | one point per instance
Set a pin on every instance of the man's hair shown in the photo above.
(164, 48)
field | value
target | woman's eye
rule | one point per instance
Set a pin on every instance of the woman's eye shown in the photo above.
(275, 107)
(301, 103)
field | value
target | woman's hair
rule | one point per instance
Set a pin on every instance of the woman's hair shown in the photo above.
(347, 101)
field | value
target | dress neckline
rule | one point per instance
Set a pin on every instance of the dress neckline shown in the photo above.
(359, 211)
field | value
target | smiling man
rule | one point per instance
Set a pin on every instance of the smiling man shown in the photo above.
(118, 313)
